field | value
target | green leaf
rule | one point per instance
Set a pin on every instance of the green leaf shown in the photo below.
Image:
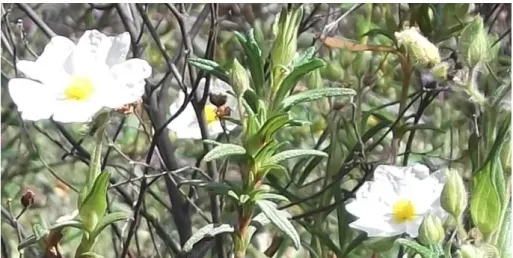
(374, 32)
(90, 255)
(304, 57)
(290, 154)
(426, 126)
(268, 167)
(485, 203)
(255, 60)
(357, 241)
(272, 196)
(291, 80)
(224, 150)
(499, 94)
(39, 231)
(314, 94)
(210, 230)
(94, 205)
(211, 67)
(214, 187)
(417, 248)
(209, 141)
(324, 237)
(32, 239)
(108, 219)
(251, 99)
(272, 125)
(504, 237)
(280, 221)
(313, 162)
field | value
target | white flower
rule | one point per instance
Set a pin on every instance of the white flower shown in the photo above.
(185, 125)
(397, 200)
(72, 82)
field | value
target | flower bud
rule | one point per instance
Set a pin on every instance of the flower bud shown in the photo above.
(239, 78)
(470, 251)
(420, 47)
(361, 64)
(431, 231)
(27, 199)
(440, 70)
(473, 43)
(314, 79)
(454, 195)
(333, 72)
(346, 58)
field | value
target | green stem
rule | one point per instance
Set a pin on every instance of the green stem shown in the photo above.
(95, 164)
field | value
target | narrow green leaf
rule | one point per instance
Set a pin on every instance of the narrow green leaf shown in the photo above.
(255, 63)
(272, 196)
(210, 67)
(289, 154)
(357, 241)
(291, 80)
(314, 94)
(94, 205)
(214, 187)
(304, 57)
(32, 239)
(91, 255)
(251, 99)
(210, 230)
(504, 237)
(428, 126)
(107, 220)
(280, 221)
(485, 203)
(266, 168)
(416, 247)
(39, 231)
(272, 125)
(209, 141)
(224, 150)
(324, 237)
(374, 32)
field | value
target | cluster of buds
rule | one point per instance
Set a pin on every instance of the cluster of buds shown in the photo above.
(419, 46)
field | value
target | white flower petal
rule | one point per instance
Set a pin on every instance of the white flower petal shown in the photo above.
(128, 82)
(378, 228)
(412, 227)
(50, 64)
(33, 99)
(119, 49)
(75, 111)
(185, 125)
(91, 49)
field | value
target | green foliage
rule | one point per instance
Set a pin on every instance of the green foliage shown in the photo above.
(209, 230)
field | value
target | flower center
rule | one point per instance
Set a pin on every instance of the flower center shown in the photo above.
(403, 211)
(210, 114)
(80, 89)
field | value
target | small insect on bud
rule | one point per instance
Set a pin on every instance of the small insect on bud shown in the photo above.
(128, 109)
(223, 111)
(27, 199)
(218, 99)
